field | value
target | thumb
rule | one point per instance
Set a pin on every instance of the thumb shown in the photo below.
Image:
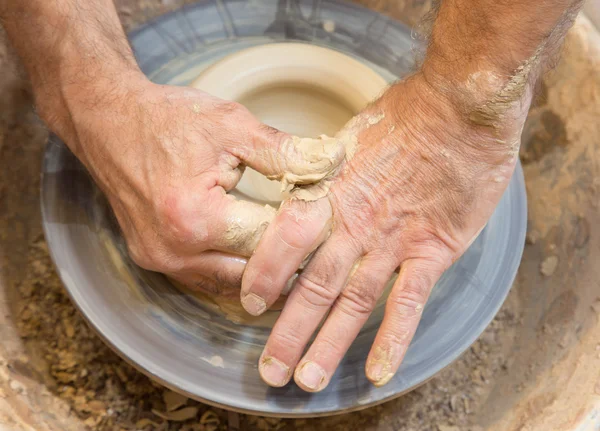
(291, 159)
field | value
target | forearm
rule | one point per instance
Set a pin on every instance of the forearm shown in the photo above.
(74, 51)
(481, 50)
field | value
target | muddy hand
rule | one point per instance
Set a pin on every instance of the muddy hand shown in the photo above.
(421, 185)
(166, 156)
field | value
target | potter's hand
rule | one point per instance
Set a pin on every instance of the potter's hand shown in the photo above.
(434, 156)
(164, 156)
(421, 185)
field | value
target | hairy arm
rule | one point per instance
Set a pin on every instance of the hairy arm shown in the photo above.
(73, 51)
(422, 184)
(164, 156)
(485, 55)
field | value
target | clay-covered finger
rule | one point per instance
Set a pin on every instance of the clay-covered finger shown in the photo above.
(345, 320)
(316, 288)
(297, 230)
(236, 226)
(403, 312)
(291, 159)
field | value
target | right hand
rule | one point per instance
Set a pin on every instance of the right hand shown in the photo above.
(165, 158)
(423, 182)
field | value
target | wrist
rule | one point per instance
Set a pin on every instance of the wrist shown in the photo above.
(485, 94)
(433, 117)
(488, 55)
(64, 100)
(99, 121)
(425, 111)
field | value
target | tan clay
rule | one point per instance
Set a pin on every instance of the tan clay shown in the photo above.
(246, 226)
(298, 89)
(304, 90)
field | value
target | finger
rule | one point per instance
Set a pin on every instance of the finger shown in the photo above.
(213, 272)
(230, 173)
(402, 315)
(316, 288)
(236, 226)
(291, 159)
(347, 316)
(298, 229)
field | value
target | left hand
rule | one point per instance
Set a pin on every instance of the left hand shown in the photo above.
(423, 182)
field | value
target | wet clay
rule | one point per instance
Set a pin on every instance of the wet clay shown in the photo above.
(247, 225)
(246, 222)
(348, 138)
(382, 364)
(301, 110)
(304, 106)
(296, 88)
(290, 87)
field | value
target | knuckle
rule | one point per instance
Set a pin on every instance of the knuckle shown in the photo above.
(416, 287)
(168, 264)
(328, 345)
(141, 258)
(228, 109)
(269, 131)
(314, 293)
(151, 258)
(359, 299)
(144, 258)
(207, 285)
(228, 277)
(177, 218)
(431, 245)
(406, 307)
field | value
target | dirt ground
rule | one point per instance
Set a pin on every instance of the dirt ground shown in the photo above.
(79, 377)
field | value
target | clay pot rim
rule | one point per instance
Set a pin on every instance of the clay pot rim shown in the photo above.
(243, 74)
(292, 64)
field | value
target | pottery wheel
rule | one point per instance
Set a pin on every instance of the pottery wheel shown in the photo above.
(192, 346)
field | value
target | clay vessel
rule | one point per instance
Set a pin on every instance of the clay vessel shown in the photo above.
(294, 87)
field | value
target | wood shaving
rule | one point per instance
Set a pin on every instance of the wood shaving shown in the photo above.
(174, 400)
(178, 415)
(145, 422)
(209, 418)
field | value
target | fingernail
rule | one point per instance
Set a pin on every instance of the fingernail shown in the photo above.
(375, 371)
(379, 367)
(379, 374)
(384, 379)
(274, 372)
(311, 375)
(254, 304)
